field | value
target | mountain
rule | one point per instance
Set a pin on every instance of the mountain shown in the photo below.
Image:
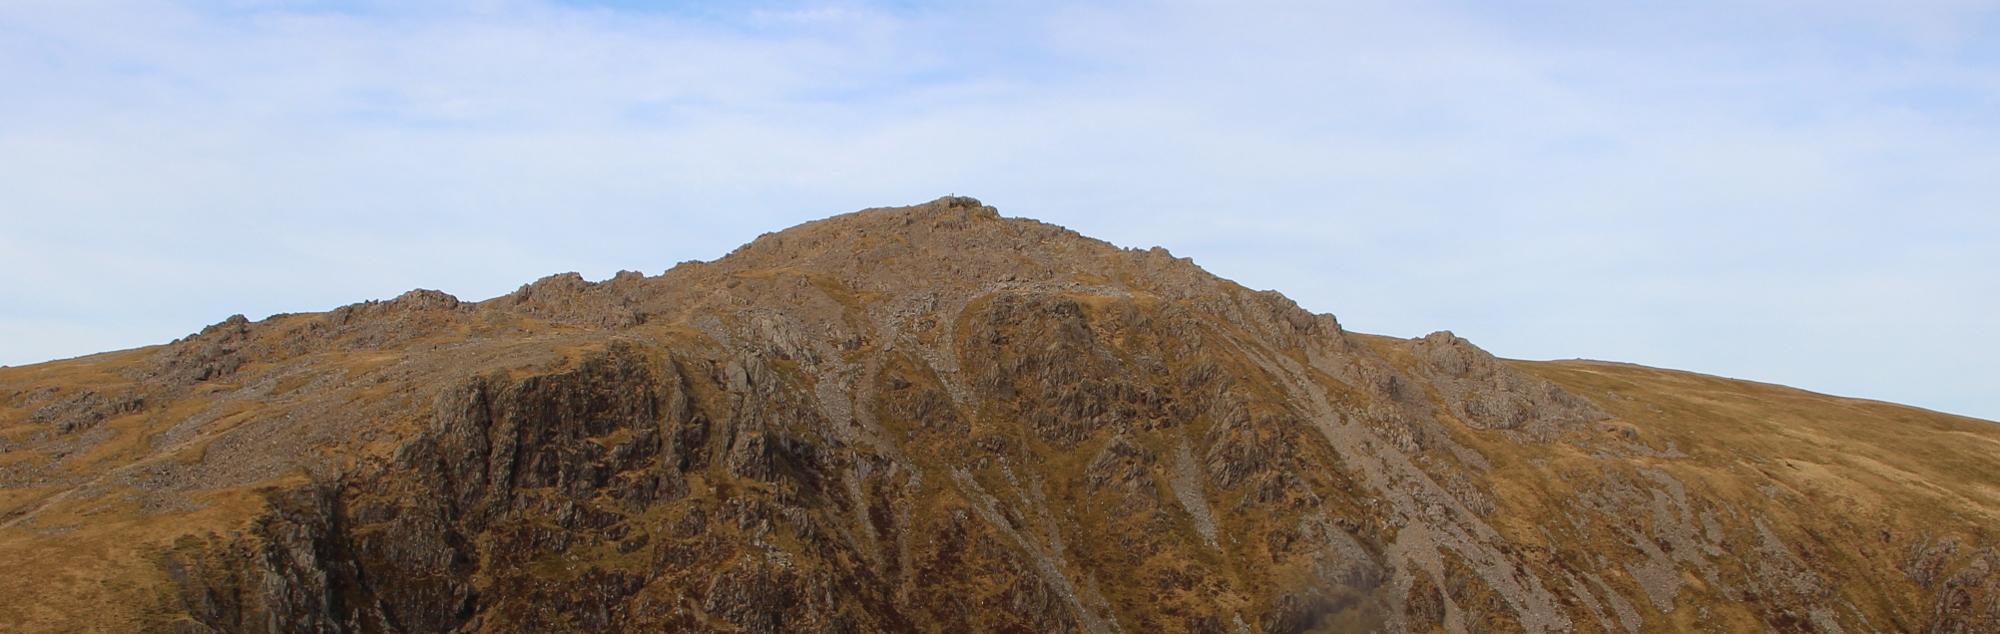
(937, 419)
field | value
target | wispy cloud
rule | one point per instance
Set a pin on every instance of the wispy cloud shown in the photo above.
(1796, 192)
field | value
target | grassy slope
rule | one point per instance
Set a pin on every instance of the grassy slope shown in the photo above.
(1889, 462)
(1862, 490)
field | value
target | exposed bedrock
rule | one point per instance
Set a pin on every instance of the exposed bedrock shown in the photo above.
(935, 419)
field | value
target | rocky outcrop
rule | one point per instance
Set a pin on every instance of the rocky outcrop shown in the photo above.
(938, 419)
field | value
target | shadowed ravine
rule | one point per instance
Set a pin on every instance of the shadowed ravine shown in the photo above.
(937, 419)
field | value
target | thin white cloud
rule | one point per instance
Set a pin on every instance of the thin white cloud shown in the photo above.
(1799, 193)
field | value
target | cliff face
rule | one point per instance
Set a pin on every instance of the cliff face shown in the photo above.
(937, 419)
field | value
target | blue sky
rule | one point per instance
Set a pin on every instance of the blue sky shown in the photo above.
(1804, 193)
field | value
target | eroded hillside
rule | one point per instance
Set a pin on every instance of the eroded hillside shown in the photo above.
(937, 419)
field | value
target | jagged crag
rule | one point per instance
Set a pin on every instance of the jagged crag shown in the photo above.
(937, 419)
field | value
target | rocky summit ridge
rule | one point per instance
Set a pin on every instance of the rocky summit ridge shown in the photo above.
(937, 419)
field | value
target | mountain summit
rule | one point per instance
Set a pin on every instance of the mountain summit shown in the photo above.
(937, 419)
